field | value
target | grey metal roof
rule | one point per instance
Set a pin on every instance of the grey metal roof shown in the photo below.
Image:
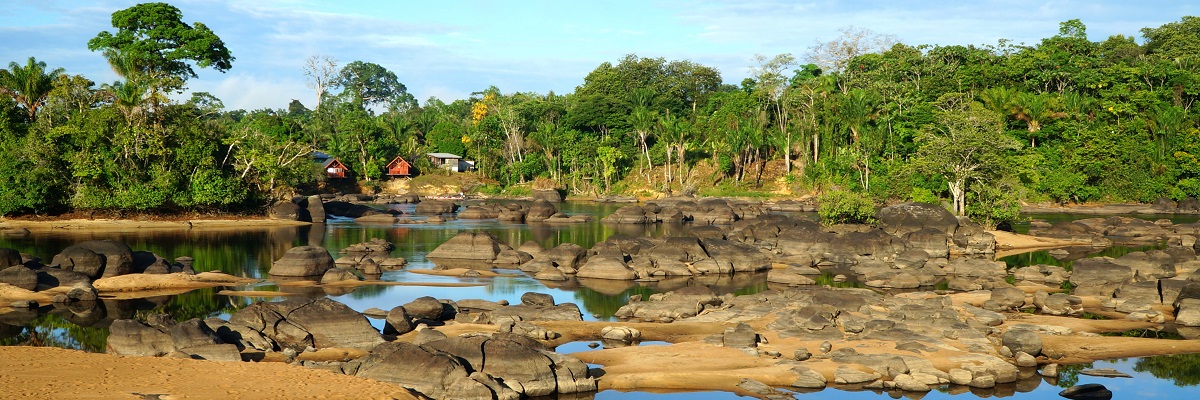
(443, 155)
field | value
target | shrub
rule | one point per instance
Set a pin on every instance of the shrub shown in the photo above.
(923, 195)
(993, 206)
(845, 207)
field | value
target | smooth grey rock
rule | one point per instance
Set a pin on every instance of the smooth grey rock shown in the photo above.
(740, 337)
(808, 379)
(621, 333)
(802, 354)
(300, 323)
(1105, 373)
(303, 261)
(848, 375)
(425, 307)
(1025, 360)
(1008, 297)
(19, 276)
(397, 322)
(1021, 340)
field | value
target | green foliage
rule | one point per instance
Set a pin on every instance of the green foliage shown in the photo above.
(367, 84)
(733, 189)
(446, 137)
(36, 184)
(155, 39)
(994, 205)
(923, 195)
(1105, 121)
(845, 207)
(213, 189)
(28, 85)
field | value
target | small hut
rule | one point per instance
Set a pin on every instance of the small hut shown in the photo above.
(399, 167)
(335, 168)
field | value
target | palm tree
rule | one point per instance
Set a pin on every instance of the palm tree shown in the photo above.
(642, 120)
(1164, 123)
(130, 98)
(1034, 109)
(28, 85)
(1000, 100)
(858, 108)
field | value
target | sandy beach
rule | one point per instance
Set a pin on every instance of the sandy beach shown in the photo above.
(53, 373)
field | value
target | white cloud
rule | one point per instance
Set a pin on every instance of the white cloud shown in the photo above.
(250, 92)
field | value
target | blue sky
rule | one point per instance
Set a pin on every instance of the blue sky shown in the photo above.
(449, 48)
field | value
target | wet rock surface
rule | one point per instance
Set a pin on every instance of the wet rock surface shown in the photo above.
(985, 337)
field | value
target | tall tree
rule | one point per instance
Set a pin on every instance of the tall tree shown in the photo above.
(155, 41)
(368, 84)
(770, 76)
(642, 120)
(28, 85)
(321, 74)
(835, 55)
(1033, 109)
(856, 110)
(966, 145)
(1174, 40)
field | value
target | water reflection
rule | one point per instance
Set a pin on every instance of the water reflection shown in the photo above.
(249, 252)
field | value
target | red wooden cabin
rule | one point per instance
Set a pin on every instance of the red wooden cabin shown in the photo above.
(399, 167)
(335, 168)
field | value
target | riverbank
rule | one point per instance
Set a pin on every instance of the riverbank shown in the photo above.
(1106, 209)
(123, 225)
(54, 373)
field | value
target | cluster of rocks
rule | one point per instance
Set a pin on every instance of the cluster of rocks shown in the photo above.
(300, 208)
(316, 208)
(1123, 231)
(1186, 206)
(478, 250)
(358, 262)
(703, 211)
(509, 318)
(71, 272)
(1137, 284)
(540, 210)
(428, 362)
(911, 248)
(359, 198)
(917, 323)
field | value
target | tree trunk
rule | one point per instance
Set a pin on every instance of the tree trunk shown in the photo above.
(958, 196)
(787, 154)
(816, 146)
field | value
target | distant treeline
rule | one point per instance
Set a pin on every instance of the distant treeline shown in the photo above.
(980, 127)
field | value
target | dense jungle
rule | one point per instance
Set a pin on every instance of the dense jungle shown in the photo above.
(980, 128)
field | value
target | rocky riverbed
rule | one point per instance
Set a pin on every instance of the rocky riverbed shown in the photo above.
(932, 308)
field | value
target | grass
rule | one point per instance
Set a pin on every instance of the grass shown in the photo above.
(733, 190)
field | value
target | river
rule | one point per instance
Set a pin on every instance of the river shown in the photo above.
(249, 252)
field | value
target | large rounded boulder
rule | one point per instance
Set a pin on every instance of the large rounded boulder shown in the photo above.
(299, 323)
(904, 218)
(285, 210)
(96, 259)
(469, 246)
(550, 195)
(21, 277)
(435, 207)
(10, 258)
(303, 261)
(431, 372)
(540, 210)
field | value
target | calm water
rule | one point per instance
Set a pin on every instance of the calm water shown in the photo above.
(249, 252)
